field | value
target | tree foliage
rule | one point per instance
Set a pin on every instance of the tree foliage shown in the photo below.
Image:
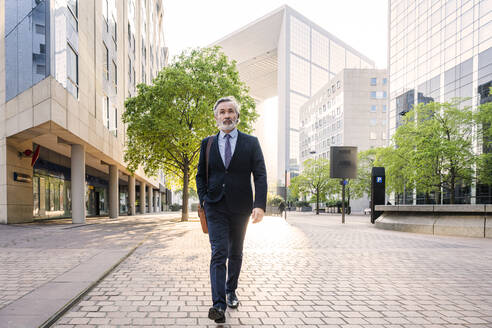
(167, 120)
(314, 180)
(433, 149)
(435, 142)
(362, 184)
(483, 117)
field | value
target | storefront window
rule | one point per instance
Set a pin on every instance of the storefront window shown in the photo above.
(35, 194)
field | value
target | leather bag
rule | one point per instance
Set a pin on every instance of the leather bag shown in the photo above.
(201, 210)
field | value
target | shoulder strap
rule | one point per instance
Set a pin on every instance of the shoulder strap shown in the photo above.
(207, 153)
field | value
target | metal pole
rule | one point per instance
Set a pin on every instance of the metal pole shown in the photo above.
(343, 201)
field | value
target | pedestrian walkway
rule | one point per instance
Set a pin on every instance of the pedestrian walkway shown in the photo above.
(46, 264)
(310, 271)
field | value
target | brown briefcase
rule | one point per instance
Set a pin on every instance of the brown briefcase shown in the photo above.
(201, 210)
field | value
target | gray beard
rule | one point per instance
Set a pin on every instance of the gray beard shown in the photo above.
(223, 126)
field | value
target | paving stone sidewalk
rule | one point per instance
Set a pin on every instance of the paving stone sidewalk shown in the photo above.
(35, 256)
(307, 272)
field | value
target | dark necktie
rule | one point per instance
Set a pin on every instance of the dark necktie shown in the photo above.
(228, 154)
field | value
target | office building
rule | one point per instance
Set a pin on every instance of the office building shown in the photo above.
(439, 50)
(350, 110)
(285, 55)
(66, 68)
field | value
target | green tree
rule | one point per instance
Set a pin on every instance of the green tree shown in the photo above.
(362, 184)
(434, 148)
(314, 180)
(483, 119)
(167, 120)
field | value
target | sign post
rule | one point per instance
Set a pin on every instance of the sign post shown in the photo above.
(343, 182)
(343, 164)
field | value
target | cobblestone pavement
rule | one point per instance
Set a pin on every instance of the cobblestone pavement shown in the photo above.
(309, 272)
(33, 254)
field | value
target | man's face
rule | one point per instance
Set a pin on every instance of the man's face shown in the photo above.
(226, 116)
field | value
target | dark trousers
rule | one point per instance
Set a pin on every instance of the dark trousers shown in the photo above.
(226, 232)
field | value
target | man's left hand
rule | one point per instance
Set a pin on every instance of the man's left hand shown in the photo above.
(257, 214)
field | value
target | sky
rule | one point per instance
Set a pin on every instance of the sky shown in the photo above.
(362, 24)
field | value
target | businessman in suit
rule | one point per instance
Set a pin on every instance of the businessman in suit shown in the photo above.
(228, 200)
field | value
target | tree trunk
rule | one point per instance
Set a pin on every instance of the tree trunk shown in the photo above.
(317, 201)
(186, 192)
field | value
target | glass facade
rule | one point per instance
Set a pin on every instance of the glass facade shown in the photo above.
(435, 47)
(434, 42)
(26, 44)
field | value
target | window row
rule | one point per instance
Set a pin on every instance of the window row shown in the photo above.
(378, 94)
(374, 108)
(374, 81)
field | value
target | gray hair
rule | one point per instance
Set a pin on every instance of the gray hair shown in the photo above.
(231, 99)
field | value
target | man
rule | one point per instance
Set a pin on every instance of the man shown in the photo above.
(228, 200)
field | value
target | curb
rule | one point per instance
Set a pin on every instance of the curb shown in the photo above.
(55, 317)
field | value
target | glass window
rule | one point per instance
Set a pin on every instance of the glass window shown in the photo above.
(374, 81)
(105, 62)
(467, 18)
(373, 95)
(450, 7)
(105, 113)
(485, 7)
(11, 65)
(40, 29)
(373, 136)
(374, 121)
(105, 13)
(72, 71)
(385, 81)
(115, 74)
(25, 54)
(47, 196)
(115, 131)
(73, 6)
(10, 16)
(115, 31)
(374, 108)
(129, 68)
(35, 194)
(384, 108)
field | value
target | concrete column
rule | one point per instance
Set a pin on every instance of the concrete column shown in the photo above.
(131, 194)
(142, 197)
(113, 192)
(151, 200)
(78, 183)
(154, 195)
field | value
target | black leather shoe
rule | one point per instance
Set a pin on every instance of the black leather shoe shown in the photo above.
(216, 314)
(232, 300)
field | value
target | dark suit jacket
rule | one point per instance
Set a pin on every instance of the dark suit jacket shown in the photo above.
(233, 183)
